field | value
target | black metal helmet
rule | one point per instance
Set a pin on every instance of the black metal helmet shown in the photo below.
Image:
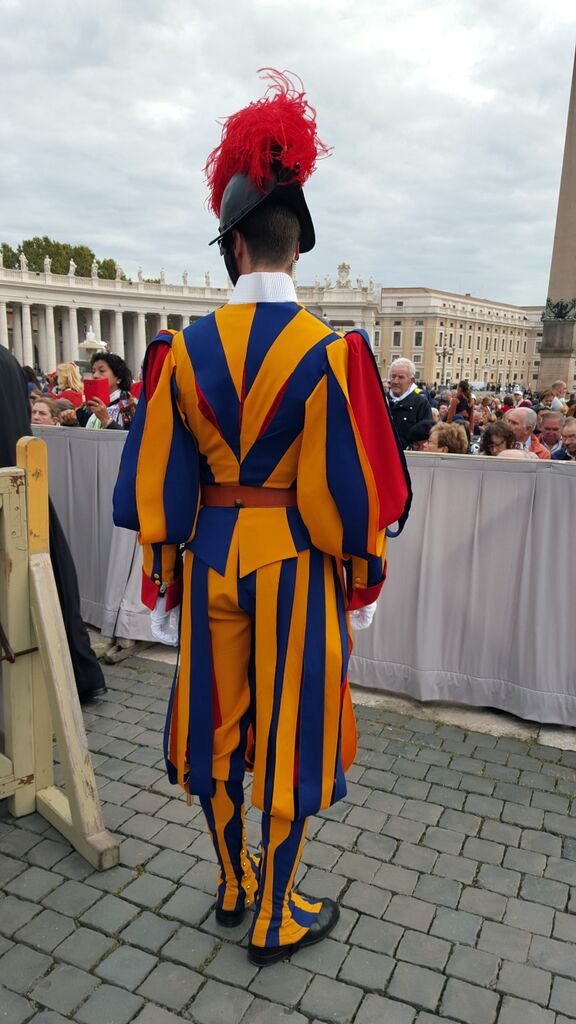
(241, 197)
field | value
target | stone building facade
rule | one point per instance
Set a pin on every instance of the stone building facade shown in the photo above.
(44, 318)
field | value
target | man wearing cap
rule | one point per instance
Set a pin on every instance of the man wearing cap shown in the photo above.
(263, 448)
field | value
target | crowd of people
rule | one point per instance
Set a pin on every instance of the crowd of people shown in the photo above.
(62, 397)
(517, 424)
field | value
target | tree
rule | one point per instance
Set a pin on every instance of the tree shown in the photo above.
(37, 248)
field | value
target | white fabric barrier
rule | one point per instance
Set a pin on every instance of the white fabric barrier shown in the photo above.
(478, 605)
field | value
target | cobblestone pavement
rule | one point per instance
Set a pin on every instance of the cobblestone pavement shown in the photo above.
(453, 858)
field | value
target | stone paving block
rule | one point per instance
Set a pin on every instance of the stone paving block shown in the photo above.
(410, 912)
(366, 818)
(75, 867)
(509, 943)
(326, 957)
(232, 965)
(72, 898)
(115, 816)
(462, 869)
(510, 793)
(456, 926)
(546, 891)
(552, 955)
(563, 996)
(337, 834)
(469, 1003)
(424, 950)
(418, 858)
(18, 842)
(447, 797)
(416, 985)
(345, 924)
(152, 1014)
(46, 931)
(376, 1010)
(564, 926)
(518, 1011)
(15, 913)
(525, 861)
(113, 880)
(189, 947)
(498, 879)
(9, 869)
(366, 969)
(84, 948)
(483, 850)
(381, 847)
(483, 806)
(501, 832)
(526, 982)
(482, 902)
(357, 866)
(135, 852)
(331, 1000)
(236, 934)
(111, 1005)
(21, 967)
(148, 891)
(389, 803)
(189, 906)
(396, 879)
(444, 891)
(263, 1012)
(444, 777)
(14, 1008)
(110, 915)
(34, 884)
(126, 967)
(149, 932)
(64, 989)
(376, 779)
(472, 965)
(404, 829)
(526, 817)
(316, 854)
(458, 821)
(141, 826)
(367, 899)
(428, 813)
(171, 985)
(171, 864)
(444, 840)
(379, 936)
(411, 769)
(529, 917)
(220, 1004)
(283, 982)
(318, 884)
(413, 789)
(541, 842)
(48, 853)
(561, 870)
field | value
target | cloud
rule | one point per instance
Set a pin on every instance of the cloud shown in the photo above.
(447, 119)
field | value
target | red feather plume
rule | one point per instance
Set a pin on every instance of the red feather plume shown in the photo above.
(278, 129)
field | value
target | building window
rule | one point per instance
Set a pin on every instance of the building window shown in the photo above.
(397, 323)
(450, 338)
(441, 337)
(419, 323)
(478, 343)
(459, 341)
(418, 358)
(418, 335)
(377, 339)
(397, 339)
(469, 341)
(399, 303)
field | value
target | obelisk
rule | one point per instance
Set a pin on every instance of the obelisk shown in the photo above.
(558, 348)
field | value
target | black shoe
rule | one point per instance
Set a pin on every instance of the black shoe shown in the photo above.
(327, 919)
(229, 918)
(92, 695)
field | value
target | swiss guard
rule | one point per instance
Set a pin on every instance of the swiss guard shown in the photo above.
(262, 471)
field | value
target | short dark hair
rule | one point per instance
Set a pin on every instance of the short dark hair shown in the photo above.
(499, 430)
(271, 233)
(118, 367)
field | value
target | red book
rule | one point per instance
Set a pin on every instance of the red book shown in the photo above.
(99, 388)
(136, 389)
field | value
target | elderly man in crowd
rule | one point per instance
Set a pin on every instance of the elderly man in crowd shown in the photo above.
(523, 424)
(559, 389)
(567, 450)
(408, 403)
(552, 423)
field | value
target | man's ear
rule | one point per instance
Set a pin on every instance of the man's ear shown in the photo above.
(237, 244)
(297, 252)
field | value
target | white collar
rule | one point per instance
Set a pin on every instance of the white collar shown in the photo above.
(263, 287)
(405, 395)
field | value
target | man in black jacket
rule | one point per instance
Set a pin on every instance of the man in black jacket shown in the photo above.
(408, 403)
(14, 424)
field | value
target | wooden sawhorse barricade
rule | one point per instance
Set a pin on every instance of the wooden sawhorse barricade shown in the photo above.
(38, 686)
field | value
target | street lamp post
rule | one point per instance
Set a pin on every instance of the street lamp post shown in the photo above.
(441, 354)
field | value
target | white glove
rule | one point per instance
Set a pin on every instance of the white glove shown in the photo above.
(361, 618)
(163, 624)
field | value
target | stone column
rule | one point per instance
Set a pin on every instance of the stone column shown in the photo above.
(42, 351)
(96, 326)
(163, 321)
(118, 346)
(140, 346)
(3, 325)
(51, 358)
(17, 332)
(27, 344)
(185, 321)
(73, 328)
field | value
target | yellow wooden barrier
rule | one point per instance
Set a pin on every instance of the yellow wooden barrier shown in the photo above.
(39, 689)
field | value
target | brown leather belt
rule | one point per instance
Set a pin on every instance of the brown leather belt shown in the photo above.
(238, 496)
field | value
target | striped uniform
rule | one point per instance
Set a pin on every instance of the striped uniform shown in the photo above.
(262, 394)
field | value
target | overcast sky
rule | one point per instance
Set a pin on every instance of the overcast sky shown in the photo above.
(447, 119)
